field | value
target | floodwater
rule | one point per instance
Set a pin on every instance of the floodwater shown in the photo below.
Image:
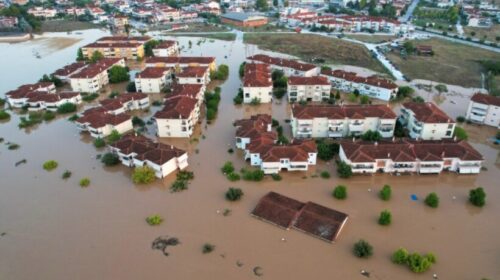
(55, 229)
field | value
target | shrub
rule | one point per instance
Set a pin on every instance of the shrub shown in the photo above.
(73, 118)
(230, 150)
(400, 256)
(131, 87)
(234, 194)
(66, 174)
(432, 200)
(89, 97)
(136, 121)
(275, 123)
(340, 192)
(364, 99)
(227, 167)
(255, 101)
(50, 165)
(238, 99)
(418, 263)
(99, 143)
(477, 197)
(114, 136)
(48, 116)
(66, 108)
(276, 177)
(185, 175)
(4, 115)
(362, 249)
(460, 133)
(179, 185)
(154, 220)
(385, 193)
(13, 146)
(385, 218)
(460, 119)
(143, 175)
(233, 176)
(326, 151)
(325, 174)
(256, 175)
(110, 159)
(207, 248)
(344, 170)
(85, 182)
(371, 136)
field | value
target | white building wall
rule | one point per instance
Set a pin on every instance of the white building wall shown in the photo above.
(264, 94)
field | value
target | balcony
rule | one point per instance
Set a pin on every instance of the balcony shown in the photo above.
(304, 133)
(362, 168)
(430, 168)
(335, 133)
(477, 118)
(356, 127)
(386, 130)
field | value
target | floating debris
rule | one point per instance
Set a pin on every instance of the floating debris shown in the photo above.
(21, 162)
(239, 263)
(226, 212)
(258, 271)
(161, 243)
(365, 273)
(3, 234)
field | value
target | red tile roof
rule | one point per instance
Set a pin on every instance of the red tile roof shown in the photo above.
(342, 112)
(100, 45)
(153, 73)
(177, 107)
(124, 39)
(319, 221)
(24, 90)
(283, 62)
(166, 44)
(257, 75)
(486, 99)
(48, 97)
(119, 101)
(146, 149)
(193, 72)
(254, 127)
(97, 119)
(353, 77)
(311, 81)
(92, 70)
(188, 90)
(427, 112)
(181, 60)
(409, 150)
(69, 69)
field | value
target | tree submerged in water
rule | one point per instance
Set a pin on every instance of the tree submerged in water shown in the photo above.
(163, 242)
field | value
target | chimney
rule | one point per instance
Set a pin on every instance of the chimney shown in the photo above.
(376, 143)
(442, 154)
(353, 139)
(393, 139)
(455, 138)
(388, 155)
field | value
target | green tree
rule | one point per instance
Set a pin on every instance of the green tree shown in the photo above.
(362, 249)
(432, 200)
(234, 194)
(149, 46)
(99, 143)
(66, 108)
(79, 55)
(441, 88)
(385, 218)
(154, 220)
(4, 115)
(84, 182)
(118, 74)
(340, 192)
(114, 136)
(344, 170)
(371, 136)
(404, 92)
(418, 263)
(400, 256)
(96, 56)
(50, 165)
(385, 193)
(131, 87)
(227, 167)
(460, 133)
(261, 5)
(477, 197)
(242, 69)
(110, 159)
(409, 47)
(143, 175)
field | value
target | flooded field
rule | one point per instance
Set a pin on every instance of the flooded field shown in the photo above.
(54, 229)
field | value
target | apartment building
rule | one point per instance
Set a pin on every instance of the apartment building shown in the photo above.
(257, 83)
(65, 72)
(426, 121)
(141, 151)
(182, 62)
(289, 66)
(117, 47)
(408, 156)
(194, 75)
(484, 109)
(257, 128)
(333, 121)
(100, 124)
(166, 48)
(19, 97)
(256, 138)
(41, 12)
(38, 101)
(314, 88)
(126, 102)
(153, 79)
(94, 77)
(372, 86)
(180, 113)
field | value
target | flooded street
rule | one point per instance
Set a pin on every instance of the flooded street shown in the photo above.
(54, 229)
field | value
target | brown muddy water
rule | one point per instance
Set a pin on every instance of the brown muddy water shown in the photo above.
(55, 229)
